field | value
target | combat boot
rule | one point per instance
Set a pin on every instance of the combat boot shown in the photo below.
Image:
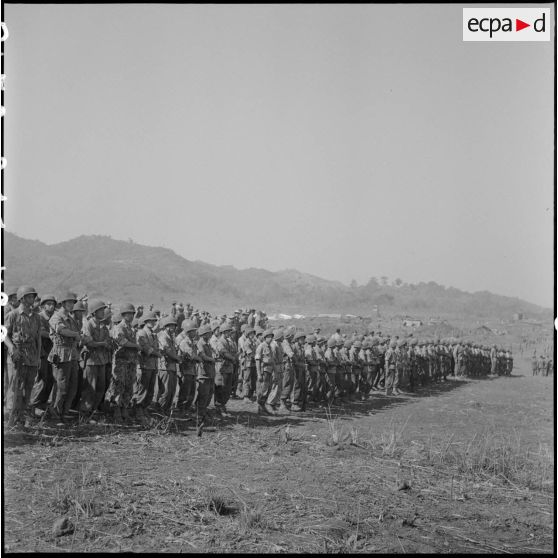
(296, 408)
(262, 410)
(283, 408)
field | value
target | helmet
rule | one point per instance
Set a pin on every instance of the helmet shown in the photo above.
(414, 342)
(127, 308)
(95, 305)
(135, 322)
(321, 340)
(340, 342)
(278, 334)
(393, 344)
(331, 342)
(188, 325)
(13, 292)
(79, 307)
(215, 324)
(348, 344)
(204, 329)
(149, 316)
(48, 298)
(299, 335)
(249, 330)
(243, 327)
(268, 333)
(357, 344)
(290, 331)
(225, 327)
(25, 290)
(68, 296)
(168, 320)
(311, 339)
(366, 344)
(259, 330)
(116, 318)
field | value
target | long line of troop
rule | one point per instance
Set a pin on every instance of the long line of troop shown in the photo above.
(87, 362)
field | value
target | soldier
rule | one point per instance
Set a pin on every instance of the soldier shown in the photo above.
(247, 352)
(401, 366)
(188, 354)
(78, 312)
(288, 369)
(168, 364)
(120, 391)
(549, 366)
(97, 344)
(264, 369)
(390, 367)
(274, 398)
(224, 366)
(23, 340)
(412, 364)
(148, 359)
(64, 356)
(541, 366)
(322, 382)
(206, 372)
(357, 380)
(44, 379)
(331, 368)
(300, 382)
(312, 365)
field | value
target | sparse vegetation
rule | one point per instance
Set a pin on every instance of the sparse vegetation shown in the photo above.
(466, 468)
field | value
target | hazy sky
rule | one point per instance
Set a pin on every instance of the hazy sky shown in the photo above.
(343, 141)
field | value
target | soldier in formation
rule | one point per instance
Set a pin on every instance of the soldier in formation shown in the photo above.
(128, 364)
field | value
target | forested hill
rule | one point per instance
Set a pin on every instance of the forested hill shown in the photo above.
(117, 270)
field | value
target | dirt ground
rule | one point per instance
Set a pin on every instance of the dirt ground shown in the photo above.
(465, 466)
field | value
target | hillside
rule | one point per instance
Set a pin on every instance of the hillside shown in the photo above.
(119, 270)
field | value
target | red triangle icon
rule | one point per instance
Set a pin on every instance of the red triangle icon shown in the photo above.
(519, 25)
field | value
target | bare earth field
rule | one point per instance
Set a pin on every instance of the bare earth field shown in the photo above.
(460, 467)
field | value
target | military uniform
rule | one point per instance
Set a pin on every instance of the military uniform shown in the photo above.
(44, 379)
(300, 383)
(24, 330)
(390, 368)
(94, 374)
(168, 365)
(206, 373)
(148, 360)
(224, 368)
(274, 397)
(288, 371)
(124, 361)
(264, 366)
(188, 354)
(64, 357)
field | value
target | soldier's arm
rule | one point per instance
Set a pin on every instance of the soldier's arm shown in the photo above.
(14, 352)
(59, 327)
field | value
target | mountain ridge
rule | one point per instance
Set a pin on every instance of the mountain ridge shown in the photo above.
(147, 274)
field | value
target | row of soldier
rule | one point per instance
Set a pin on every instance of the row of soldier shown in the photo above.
(542, 365)
(93, 360)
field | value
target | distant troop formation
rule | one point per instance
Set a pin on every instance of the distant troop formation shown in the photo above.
(69, 358)
(541, 365)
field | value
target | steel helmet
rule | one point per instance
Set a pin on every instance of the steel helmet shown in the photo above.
(299, 335)
(127, 308)
(25, 290)
(214, 325)
(259, 330)
(278, 334)
(357, 344)
(249, 330)
(188, 325)
(225, 327)
(331, 342)
(168, 320)
(311, 339)
(148, 317)
(48, 298)
(204, 329)
(348, 344)
(79, 307)
(68, 296)
(268, 333)
(94, 305)
(290, 331)
(243, 327)
(393, 344)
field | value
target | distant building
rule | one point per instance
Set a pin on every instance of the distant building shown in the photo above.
(518, 316)
(412, 322)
